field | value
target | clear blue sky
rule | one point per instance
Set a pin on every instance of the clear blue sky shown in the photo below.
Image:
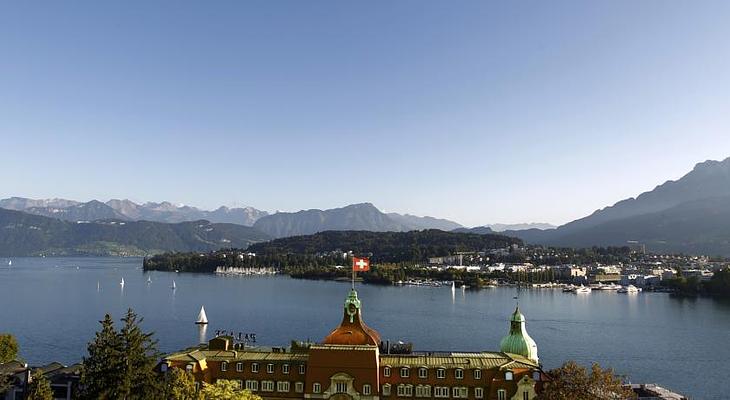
(475, 111)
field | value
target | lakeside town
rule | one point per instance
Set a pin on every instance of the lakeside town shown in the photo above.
(620, 269)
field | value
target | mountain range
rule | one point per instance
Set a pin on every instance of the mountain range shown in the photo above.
(24, 234)
(127, 210)
(690, 215)
(355, 217)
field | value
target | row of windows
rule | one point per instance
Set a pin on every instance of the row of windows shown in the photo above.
(458, 373)
(440, 373)
(285, 368)
(268, 386)
(438, 391)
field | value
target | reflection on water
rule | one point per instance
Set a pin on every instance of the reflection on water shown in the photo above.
(650, 337)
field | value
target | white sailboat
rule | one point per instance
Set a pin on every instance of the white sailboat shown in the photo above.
(202, 318)
(122, 282)
(173, 285)
(10, 262)
(453, 286)
(149, 279)
(98, 286)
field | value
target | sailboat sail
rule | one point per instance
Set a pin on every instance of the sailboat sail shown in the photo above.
(149, 279)
(173, 284)
(122, 282)
(202, 318)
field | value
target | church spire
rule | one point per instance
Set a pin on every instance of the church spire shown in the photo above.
(518, 341)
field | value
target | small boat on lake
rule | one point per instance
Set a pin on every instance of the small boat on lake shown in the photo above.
(202, 318)
(149, 279)
(121, 283)
(173, 285)
(631, 289)
(582, 289)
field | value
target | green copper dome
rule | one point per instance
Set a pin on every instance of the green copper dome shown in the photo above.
(518, 341)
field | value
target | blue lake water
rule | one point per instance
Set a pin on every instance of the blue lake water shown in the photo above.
(53, 307)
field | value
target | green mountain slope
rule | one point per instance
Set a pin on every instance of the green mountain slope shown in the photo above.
(23, 234)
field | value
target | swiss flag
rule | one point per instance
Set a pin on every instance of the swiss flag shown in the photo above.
(360, 264)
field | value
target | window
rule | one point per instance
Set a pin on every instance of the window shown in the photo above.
(405, 372)
(302, 369)
(282, 387)
(316, 388)
(269, 368)
(423, 391)
(299, 387)
(423, 373)
(366, 390)
(536, 375)
(197, 386)
(252, 385)
(240, 383)
(508, 375)
(386, 389)
(267, 386)
(386, 371)
(440, 391)
(405, 390)
(255, 367)
(501, 394)
(189, 368)
(477, 374)
(224, 366)
(479, 393)
(441, 373)
(285, 369)
(340, 387)
(163, 367)
(459, 373)
(459, 392)
(525, 396)
(239, 367)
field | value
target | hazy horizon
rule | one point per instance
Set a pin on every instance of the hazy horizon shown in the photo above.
(474, 112)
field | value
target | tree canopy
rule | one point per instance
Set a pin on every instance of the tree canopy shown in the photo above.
(120, 364)
(39, 388)
(573, 382)
(8, 348)
(226, 390)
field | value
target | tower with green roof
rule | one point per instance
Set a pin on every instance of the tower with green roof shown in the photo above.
(518, 341)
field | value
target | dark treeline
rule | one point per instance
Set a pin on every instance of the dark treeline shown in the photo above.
(208, 262)
(718, 285)
(387, 247)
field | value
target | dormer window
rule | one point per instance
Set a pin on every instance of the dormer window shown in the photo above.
(508, 376)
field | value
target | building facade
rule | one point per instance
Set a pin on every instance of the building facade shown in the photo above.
(353, 363)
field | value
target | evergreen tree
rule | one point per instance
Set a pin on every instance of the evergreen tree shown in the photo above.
(138, 378)
(8, 348)
(102, 368)
(179, 385)
(39, 388)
